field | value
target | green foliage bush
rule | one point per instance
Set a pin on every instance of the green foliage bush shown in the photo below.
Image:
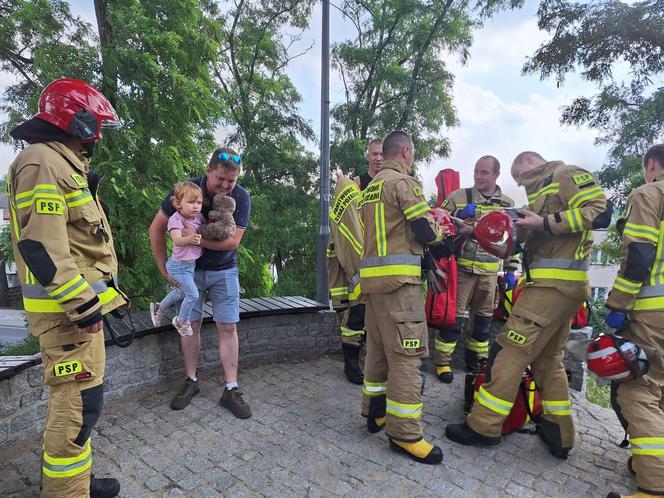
(28, 346)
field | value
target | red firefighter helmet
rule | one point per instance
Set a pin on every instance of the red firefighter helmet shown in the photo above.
(443, 219)
(496, 234)
(615, 358)
(77, 108)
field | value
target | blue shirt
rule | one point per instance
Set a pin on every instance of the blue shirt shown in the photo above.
(211, 259)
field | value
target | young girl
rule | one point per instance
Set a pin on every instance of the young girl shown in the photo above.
(188, 200)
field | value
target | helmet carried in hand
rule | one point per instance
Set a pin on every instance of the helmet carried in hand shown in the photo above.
(496, 234)
(443, 219)
(77, 108)
(615, 358)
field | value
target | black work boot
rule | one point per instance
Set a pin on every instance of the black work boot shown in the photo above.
(549, 432)
(352, 368)
(463, 434)
(104, 488)
(232, 399)
(188, 391)
(375, 424)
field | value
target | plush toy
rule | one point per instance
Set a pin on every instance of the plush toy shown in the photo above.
(221, 224)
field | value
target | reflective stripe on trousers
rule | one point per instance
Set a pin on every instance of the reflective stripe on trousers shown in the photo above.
(404, 410)
(59, 468)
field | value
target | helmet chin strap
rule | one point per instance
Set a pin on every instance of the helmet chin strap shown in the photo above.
(88, 149)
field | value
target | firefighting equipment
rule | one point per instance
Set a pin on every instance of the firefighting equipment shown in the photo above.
(536, 332)
(67, 265)
(527, 404)
(444, 220)
(375, 425)
(441, 307)
(104, 488)
(637, 291)
(351, 364)
(468, 211)
(445, 374)
(435, 276)
(77, 108)
(421, 451)
(397, 225)
(614, 358)
(447, 181)
(615, 319)
(496, 233)
(464, 434)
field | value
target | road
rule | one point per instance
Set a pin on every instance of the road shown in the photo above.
(12, 326)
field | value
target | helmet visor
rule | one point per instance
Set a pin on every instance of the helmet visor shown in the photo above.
(111, 124)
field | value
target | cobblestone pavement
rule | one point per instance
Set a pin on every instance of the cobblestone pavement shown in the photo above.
(306, 438)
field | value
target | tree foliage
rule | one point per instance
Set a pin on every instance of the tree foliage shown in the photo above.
(601, 38)
(394, 74)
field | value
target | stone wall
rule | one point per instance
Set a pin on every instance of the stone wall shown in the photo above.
(155, 358)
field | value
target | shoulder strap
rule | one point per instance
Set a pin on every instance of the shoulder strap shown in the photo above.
(469, 195)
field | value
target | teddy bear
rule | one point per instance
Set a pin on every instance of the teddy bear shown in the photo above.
(221, 225)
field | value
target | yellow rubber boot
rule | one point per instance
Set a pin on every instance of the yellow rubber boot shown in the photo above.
(421, 451)
(638, 494)
(375, 424)
(445, 374)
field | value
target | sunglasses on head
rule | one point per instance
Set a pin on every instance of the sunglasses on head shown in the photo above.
(225, 156)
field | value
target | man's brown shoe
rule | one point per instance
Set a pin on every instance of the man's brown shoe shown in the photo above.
(232, 399)
(188, 391)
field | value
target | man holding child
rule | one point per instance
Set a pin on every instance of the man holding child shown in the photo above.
(216, 274)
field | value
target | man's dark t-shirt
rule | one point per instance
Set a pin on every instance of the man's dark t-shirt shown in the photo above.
(364, 180)
(211, 259)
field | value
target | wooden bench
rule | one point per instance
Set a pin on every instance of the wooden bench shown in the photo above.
(249, 307)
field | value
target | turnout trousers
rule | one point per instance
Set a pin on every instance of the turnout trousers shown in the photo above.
(74, 374)
(351, 324)
(477, 292)
(397, 350)
(642, 403)
(535, 334)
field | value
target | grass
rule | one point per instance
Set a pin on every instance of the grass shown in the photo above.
(599, 395)
(28, 346)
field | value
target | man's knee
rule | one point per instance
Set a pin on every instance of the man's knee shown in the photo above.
(226, 329)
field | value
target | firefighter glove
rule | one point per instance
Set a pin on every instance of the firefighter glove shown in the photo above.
(434, 275)
(615, 319)
(509, 281)
(468, 211)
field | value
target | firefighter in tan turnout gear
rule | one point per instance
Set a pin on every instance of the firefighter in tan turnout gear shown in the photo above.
(636, 302)
(397, 226)
(565, 203)
(477, 270)
(66, 264)
(343, 267)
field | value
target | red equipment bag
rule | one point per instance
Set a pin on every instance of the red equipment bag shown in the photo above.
(582, 316)
(527, 405)
(441, 308)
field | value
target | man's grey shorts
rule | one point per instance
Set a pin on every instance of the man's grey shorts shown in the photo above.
(223, 288)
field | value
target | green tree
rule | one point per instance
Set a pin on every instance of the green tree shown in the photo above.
(394, 74)
(264, 122)
(597, 37)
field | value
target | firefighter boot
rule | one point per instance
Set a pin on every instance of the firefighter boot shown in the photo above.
(104, 488)
(445, 374)
(420, 451)
(463, 434)
(549, 432)
(477, 345)
(351, 364)
(375, 425)
(638, 494)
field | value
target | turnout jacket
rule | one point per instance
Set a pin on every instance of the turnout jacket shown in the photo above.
(572, 204)
(473, 258)
(345, 246)
(390, 205)
(639, 285)
(62, 244)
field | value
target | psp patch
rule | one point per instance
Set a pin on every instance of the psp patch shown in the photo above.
(411, 343)
(80, 181)
(582, 178)
(68, 368)
(418, 191)
(515, 337)
(49, 206)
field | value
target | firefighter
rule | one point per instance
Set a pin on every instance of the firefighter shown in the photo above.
(343, 267)
(374, 156)
(636, 304)
(477, 270)
(397, 227)
(67, 268)
(565, 203)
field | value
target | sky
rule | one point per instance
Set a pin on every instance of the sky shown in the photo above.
(501, 112)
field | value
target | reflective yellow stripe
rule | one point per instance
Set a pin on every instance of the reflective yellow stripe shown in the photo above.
(338, 291)
(552, 188)
(355, 244)
(648, 303)
(558, 274)
(585, 195)
(59, 468)
(531, 398)
(403, 410)
(647, 446)
(374, 388)
(657, 272)
(331, 254)
(381, 240)
(391, 271)
(355, 292)
(493, 403)
(627, 286)
(557, 407)
(580, 249)
(79, 285)
(479, 264)
(574, 220)
(641, 231)
(445, 347)
(78, 197)
(477, 347)
(416, 210)
(43, 190)
(346, 332)
(51, 305)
